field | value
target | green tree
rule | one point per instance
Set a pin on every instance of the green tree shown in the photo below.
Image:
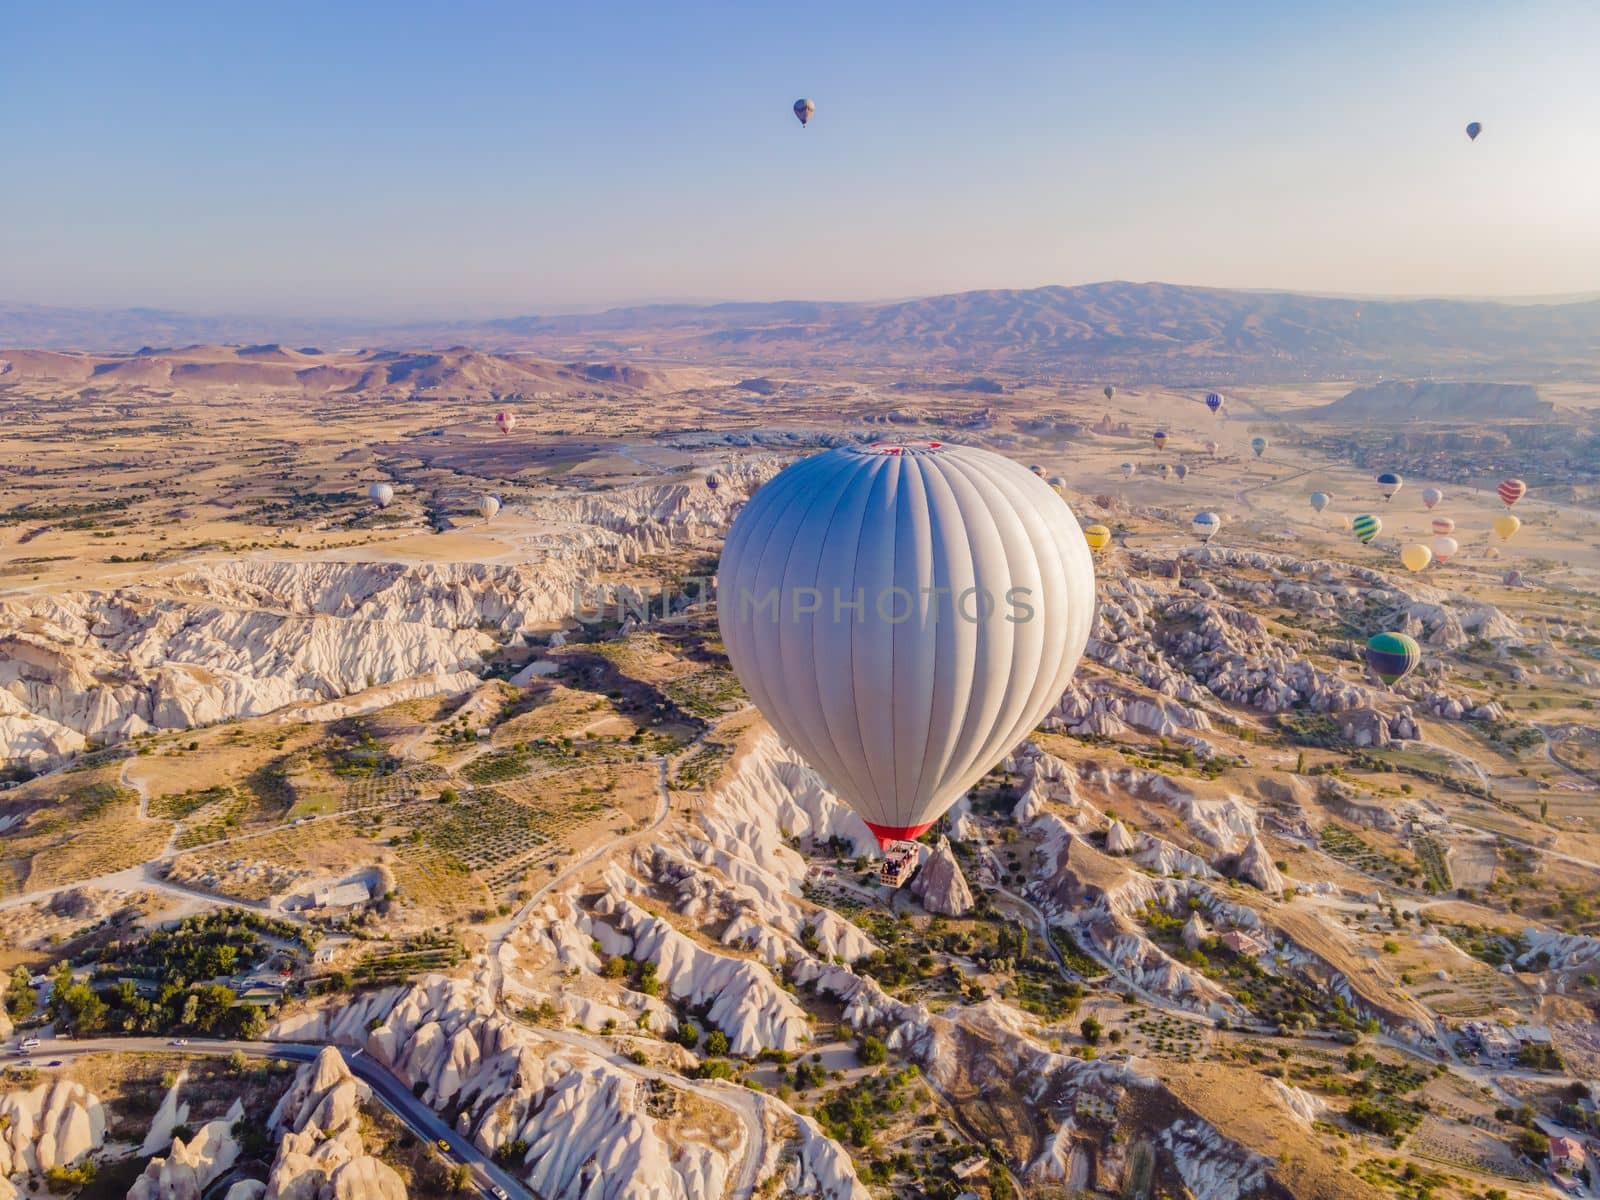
(1091, 1030)
(20, 998)
(83, 1011)
(871, 1051)
(717, 1043)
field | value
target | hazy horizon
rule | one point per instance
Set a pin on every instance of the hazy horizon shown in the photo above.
(424, 316)
(398, 163)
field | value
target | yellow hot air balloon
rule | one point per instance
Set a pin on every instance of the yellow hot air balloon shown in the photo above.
(1098, 537)
(1506, 526)
(1415, 556)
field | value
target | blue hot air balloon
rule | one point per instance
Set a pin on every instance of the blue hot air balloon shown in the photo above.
(1473, 130)
(1214, 401)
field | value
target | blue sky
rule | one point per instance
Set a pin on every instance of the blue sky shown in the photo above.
(398, 158)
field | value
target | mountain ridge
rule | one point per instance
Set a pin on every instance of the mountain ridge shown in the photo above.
(1116, 329)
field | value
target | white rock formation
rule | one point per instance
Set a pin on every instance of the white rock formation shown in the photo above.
(1255, 866)
(190, 1167)
(321, 1155)
(940, 885)
(53, 1124)
(1120, 840)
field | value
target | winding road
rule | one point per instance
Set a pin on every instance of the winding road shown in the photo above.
(386, 1087)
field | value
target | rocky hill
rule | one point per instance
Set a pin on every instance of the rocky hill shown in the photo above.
(1397, 400)
(1129, 330)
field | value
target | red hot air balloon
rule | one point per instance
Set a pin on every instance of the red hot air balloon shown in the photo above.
(1511, 490)
(506, 419)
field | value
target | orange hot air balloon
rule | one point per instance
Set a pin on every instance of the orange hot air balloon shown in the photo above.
(1511, 490)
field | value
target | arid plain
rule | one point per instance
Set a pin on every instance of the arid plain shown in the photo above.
(480, 798)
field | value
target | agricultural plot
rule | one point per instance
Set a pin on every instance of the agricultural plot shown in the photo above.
(701, 766)
(91, 829)
(400, 787)
(409, 959)
(1434, 867)
(438, 884)
(706, 694)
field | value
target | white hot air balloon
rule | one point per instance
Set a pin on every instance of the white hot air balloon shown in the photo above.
(381, 494)
(1128, 470)
(1205, 525)
(903, 615)
(488, 506)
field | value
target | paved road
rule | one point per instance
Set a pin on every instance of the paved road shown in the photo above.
(394, 1095)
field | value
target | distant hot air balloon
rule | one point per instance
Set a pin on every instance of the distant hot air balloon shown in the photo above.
(1389, 483)
(1212, 448)
(1098, 536)
(1474, 128)
(1159, 437)
(381, 494)
(1110, 391)
(1259, 444)
(1320, 500)
(938, 673)
(1366, 527)
(1205, 525)
(1511, 490)
(1513, 579)
(1129, 469)
(1393, 656)
(1443, 525)
(1444, 547)
(1166, 470)
(506, 419)
(1415, 556)
(712, 482)
(1037, 470)
(1181, 471)
(1506, 527)
(1431, 496)
(803, 109)
(488, 507)
(1214, 401)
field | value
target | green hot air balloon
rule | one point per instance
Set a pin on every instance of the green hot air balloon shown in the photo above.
(1259, 445)
(1366, 527)
(1393, 656)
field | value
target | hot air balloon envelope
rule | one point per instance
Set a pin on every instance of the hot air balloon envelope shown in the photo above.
(488, 507)
(1474, 129)
(1506, 526)
(1389, 483)
(1443, 525)
(1098, 537)
(506, 419)
(1205, 525)
(1393, 656)
(1214, 401)
(1366, 527)
(868, 599)
(1511, 490)
(381, 494)
(1259, 445)
(803, 109)
(1181, 470)
(1415, 556)
(1320, 500)
(1444, 547)
(1431, 496)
